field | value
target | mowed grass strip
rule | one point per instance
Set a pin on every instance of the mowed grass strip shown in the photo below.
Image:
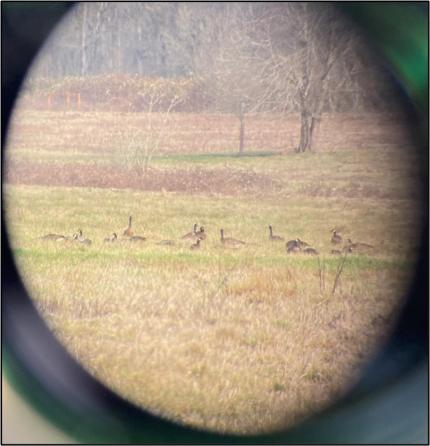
(148, 255)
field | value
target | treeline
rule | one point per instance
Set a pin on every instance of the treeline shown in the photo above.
(232, 49)
(123, 92)
(148, 39)
(233, 57)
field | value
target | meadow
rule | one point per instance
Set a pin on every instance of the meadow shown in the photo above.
(239, 340)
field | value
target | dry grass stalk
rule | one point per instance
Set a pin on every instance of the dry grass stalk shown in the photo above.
(339, 272)
(321, 270)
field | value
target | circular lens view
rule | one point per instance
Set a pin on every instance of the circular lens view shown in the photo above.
(215, 207)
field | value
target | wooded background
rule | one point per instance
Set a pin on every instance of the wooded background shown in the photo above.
(237, 58)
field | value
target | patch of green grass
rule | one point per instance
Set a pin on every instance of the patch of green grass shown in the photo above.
(205, 158)
(277, 387)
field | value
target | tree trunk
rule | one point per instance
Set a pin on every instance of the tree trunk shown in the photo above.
(84, 40)
(305, 132)
(242, 130)
(315, 122)
(308, 129)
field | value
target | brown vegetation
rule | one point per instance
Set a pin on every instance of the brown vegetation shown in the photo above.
(105, 133)
(225, 181)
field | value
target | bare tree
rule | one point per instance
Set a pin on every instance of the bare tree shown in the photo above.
(325, 41)
(225, 65)
(146, 140)
(297, 51)
(283, 58)
(84, 38)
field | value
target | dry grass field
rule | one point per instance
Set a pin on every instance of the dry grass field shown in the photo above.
(239, 340)
(88, 136)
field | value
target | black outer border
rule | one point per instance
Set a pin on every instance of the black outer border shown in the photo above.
(90, 412)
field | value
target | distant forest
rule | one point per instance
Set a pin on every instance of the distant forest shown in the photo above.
(169, 39)
(237, 57)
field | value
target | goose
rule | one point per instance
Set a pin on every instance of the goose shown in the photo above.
(137, 238)
(293, 248)
(302, 244)
(191, 235)
(336, 238)
(128, 231)
(196, 245)
(292, 244)
(112, 238)
(55, 237)
(68, 240)
(81, 238)
(201, 234)
(310, 251)
(359, 245)
(232, 242)
(75, 237)
(274, 238)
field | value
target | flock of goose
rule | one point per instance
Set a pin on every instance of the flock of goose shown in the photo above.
(198, 235)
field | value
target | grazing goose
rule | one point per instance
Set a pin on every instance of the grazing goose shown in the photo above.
(128, 231)
(196, 245)
(293, 248)
(201, 234)
(112, 238)
(292, 244)
(191, 235)
(137, 238)
(302, 244)
(231, 242)
(359, 245)
(55, 237)
(310, 251)
(274, 238)
(336, 238)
